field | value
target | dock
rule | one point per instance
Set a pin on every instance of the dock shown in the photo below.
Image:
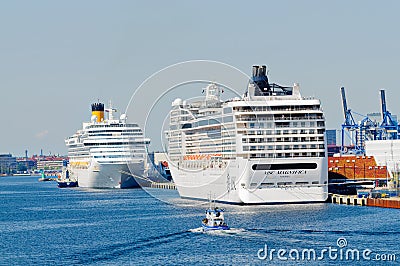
(348, 200)
(393, 202)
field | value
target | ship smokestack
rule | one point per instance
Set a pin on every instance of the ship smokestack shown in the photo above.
(264, 70)
(255, 71)
(98, 111)
(260, 78)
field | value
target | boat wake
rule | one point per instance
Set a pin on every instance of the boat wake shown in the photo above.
(196, 230)
(231, 231)
(108, 253)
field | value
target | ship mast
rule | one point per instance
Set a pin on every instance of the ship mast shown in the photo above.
(110, 111)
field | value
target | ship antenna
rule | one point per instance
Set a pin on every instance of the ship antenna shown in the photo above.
(210, 200)
(214, 201)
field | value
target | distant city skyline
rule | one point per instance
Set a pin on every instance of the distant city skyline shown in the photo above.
(57, 57)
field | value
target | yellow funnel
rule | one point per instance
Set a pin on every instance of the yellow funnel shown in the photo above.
(98, 111)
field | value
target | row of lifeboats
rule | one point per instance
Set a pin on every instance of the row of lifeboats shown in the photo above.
(79, 165)
(204, 164)
(196, 157)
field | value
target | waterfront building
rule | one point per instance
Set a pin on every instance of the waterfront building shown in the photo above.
(331, 136)
(51, 163)
(8, 163)
(28, 163)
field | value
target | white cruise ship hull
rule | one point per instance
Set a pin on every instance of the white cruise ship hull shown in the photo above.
(235, 182)
(113, 175)
(266, 147)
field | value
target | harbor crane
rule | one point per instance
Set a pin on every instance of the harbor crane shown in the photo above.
(366, 129)
(389, 128)
(359, 132)
(348, 117)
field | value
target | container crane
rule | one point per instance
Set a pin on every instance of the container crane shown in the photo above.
(365, 129)
(348, 117)
(389, 128)
(349, 123)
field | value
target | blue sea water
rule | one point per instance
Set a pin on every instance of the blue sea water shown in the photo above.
(41, 224)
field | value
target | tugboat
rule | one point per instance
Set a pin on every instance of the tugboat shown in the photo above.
(66, 179)
(214, 220)
(44, 177)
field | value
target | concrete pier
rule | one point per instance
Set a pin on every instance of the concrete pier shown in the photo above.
(393, 202)
(348, 200)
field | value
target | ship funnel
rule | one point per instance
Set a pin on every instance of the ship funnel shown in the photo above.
(264, 71)
(259, 71)
(255, 71)
(98, 111)
(260, 78)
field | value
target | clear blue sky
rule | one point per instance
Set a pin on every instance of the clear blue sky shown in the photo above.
(57, 57)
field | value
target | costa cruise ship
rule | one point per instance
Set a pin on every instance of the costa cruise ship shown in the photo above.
(266, 147)
(107, 153)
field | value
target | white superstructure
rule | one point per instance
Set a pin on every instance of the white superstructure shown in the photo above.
(266, 147)
(107, 153)
(386, 153)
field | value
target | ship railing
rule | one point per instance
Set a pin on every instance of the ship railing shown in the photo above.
(277, 108)
(244, 119)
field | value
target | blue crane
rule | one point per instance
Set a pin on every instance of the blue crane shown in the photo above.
(349, 122)
(389, 126)
(365, 129)
(348, 117)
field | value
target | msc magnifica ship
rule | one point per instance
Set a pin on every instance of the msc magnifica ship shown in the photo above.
(107, 153)
(266, 147)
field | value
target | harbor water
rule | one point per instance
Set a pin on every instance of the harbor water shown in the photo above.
(41, 224)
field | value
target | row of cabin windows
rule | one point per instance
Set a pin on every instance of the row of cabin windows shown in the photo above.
(117, 134)
(286, 139)
(207, 122)
(113, 144)
(284, 147)
(78, 154)
(114, 125)
(284, 183)
(297, 124)
(116, 156)
(279, 117)
(276, 108)
(287, 155)
(278, 132)
(115, 131)
(294, 131)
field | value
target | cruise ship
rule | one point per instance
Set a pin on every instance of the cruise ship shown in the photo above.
(107, 153)
(265, 147)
